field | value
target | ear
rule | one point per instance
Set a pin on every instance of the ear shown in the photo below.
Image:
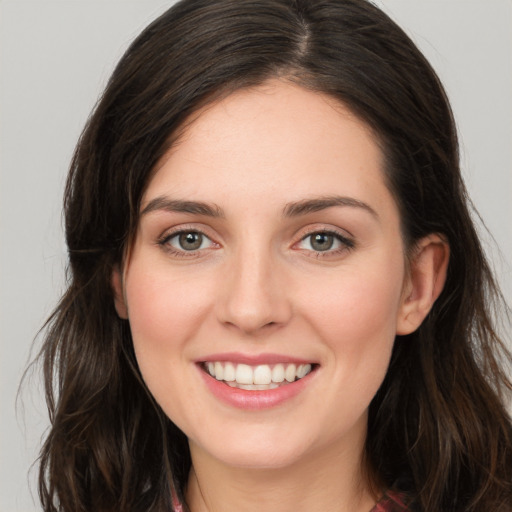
(424, 283)
(116, 282)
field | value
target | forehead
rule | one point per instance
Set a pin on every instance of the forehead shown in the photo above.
(271, 140)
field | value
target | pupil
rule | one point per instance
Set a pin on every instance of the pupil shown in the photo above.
(322, 242)
(191, 241)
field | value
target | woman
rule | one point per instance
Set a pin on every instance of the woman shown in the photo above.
(277, 297)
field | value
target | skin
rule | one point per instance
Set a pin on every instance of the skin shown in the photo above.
(258, 286)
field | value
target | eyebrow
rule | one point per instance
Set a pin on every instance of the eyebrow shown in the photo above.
(294, 209)
(177, 205)
(306, 206)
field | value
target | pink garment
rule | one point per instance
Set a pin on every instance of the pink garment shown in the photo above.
(390, 503)
(176, 505)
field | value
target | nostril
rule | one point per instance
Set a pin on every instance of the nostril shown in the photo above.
(252, 325)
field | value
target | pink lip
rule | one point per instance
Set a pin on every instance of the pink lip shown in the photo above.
(254, 400)
(252, 359)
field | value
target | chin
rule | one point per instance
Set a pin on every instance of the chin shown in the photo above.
(260, 451)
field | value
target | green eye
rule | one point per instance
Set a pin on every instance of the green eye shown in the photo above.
(186, 241)
(322, 241)
(191, 241)
(325, 242)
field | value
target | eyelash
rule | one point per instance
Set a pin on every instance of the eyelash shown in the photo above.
(164, 242)
(347, 244)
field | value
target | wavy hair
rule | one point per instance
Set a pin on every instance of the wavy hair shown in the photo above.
(438, 427)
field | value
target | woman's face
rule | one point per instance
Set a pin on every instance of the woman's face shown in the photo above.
(268, 248)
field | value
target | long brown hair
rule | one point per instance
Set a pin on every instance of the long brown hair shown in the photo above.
(438, 428)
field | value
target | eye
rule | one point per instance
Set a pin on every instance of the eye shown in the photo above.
(325, 241)
(187, 241)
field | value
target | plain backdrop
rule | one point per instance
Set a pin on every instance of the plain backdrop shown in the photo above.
(55, 58)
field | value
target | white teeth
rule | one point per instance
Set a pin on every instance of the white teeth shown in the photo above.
(262, 376)
(289, 373)
(229, 372)
(219, 371)
(257, 387)
(302, 370)
(278, 373)
(243, 374)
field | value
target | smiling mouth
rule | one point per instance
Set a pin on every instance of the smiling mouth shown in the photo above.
(257, 378)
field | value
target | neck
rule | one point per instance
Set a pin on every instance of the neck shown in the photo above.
(329, 481)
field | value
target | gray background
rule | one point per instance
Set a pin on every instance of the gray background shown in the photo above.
(55, 58)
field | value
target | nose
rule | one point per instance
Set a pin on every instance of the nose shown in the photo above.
(253, 298)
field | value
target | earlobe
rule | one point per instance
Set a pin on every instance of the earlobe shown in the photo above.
(119, 298)
(425, 282)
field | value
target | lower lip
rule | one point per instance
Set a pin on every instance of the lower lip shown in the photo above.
(254, 399)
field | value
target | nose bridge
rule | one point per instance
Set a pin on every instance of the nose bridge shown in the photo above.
(254, 296)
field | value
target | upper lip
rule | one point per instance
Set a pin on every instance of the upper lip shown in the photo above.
(253, 359)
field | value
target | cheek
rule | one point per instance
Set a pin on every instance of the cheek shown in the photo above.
(356, 321)
(163, 310)
(355, 316)
(359, 305)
